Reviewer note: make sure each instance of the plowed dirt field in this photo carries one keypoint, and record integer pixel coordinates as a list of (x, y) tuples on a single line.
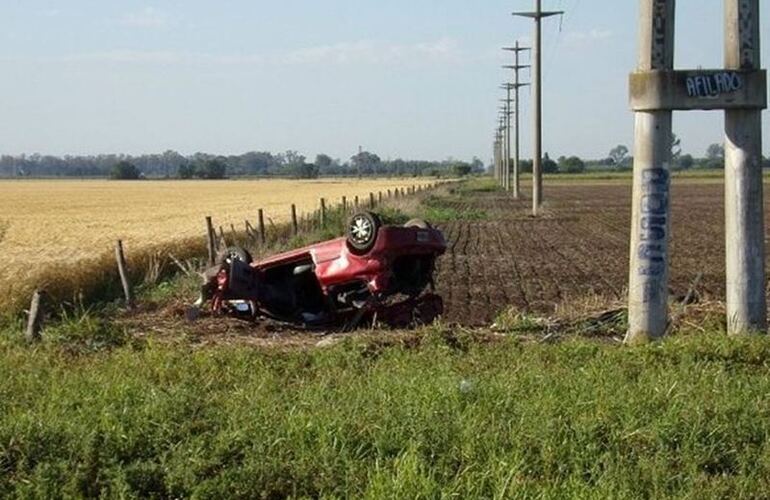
[(577, 250)]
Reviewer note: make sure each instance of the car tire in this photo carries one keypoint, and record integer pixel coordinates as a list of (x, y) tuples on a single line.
[(234, 253), (418, 223), (362, 231)]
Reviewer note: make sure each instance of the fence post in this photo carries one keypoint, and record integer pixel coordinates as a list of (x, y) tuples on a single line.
[(294, 225), (35, 319), (323, 213), (379, 197), (261, 221), (121, 260), (371, 200), (344, 204), (355, 202), (210, 240)]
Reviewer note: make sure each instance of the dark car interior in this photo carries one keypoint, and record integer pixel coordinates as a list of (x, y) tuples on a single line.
[(289, 290)]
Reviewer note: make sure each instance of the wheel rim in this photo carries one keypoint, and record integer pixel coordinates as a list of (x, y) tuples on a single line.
[(361, 229)]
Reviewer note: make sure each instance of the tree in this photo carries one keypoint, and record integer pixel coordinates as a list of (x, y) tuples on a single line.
[(186, 171), (676, 147), (294, 162), (715, 156), (477, 166), (124, 170), (461, 169), (686, 162), (212, 169), (618, 155), (169, 162), (306, 171), (549, 166), (323, 162), (365, 163), (715, 151), (571, 165)]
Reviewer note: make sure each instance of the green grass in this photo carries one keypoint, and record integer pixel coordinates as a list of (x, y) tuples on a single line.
[(446, 417), (444, 209)]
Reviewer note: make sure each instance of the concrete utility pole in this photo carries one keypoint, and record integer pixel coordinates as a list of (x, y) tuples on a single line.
[(744, 223), (516, 67), (537, 80), (656, 89), (648, 278), (501, 142), (497, 154), (506, 109)]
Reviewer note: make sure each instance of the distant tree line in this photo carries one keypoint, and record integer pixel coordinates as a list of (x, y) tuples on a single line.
[(619, 158), (171, 164), (714, 157)]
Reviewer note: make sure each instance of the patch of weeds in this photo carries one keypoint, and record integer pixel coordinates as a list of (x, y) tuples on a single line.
[(441, 209), (184, 285), (475, 186), (608, 323), (298, 241), (12, 328), (84, 331), (446, 214), (392, 216), (517, 322)]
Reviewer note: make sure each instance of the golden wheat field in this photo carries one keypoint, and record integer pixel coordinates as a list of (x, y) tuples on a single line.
[(66, 229)]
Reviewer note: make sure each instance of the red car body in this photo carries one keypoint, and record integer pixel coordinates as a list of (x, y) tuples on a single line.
[(332, 282)]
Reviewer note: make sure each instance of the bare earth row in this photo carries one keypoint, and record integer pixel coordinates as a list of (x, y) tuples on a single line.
[(578, 249)]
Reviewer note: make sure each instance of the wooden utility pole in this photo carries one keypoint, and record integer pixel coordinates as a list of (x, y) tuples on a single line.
[(537, 81)]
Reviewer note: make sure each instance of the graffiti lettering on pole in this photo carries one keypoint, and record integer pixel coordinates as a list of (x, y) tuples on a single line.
[(746, 34), (652, 247), (659, 27), (714, 85)]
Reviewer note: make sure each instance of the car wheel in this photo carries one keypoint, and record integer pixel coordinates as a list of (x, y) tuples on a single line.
[(418, 223), (362, 231), (234, 253)]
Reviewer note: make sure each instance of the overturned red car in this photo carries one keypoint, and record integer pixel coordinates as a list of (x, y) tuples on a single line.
[(376, 272)]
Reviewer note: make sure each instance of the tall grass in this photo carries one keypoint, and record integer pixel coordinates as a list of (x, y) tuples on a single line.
[(444, 417)]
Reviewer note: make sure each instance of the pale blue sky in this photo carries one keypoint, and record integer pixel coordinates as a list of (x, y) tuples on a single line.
[(402, 78)]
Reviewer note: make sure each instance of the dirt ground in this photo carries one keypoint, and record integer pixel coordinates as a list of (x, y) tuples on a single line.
[(577, 251)]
